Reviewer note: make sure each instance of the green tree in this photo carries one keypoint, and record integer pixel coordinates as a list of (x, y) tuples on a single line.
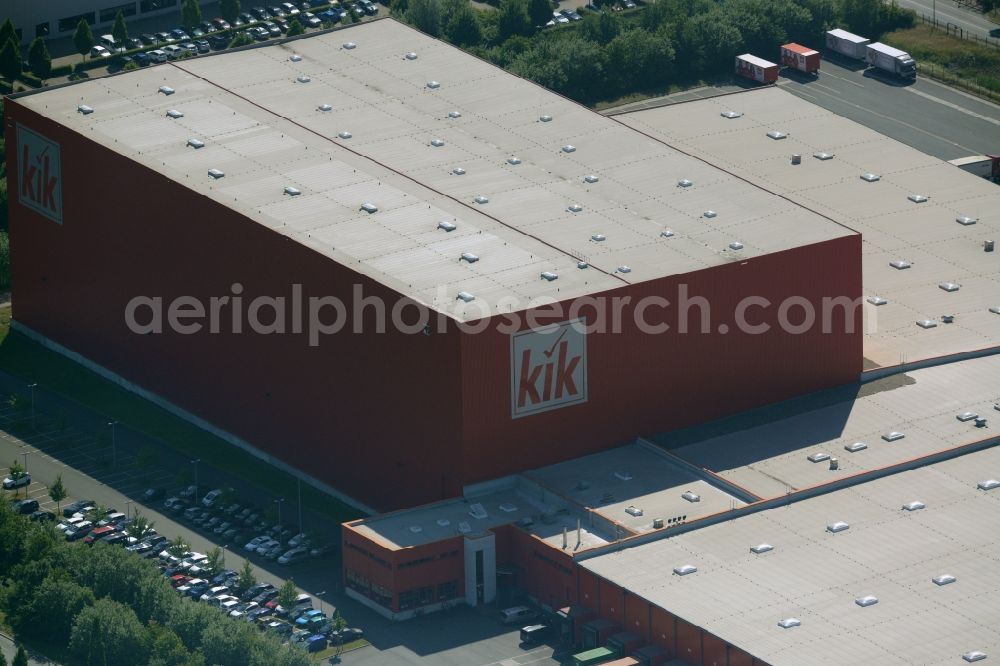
[(339, 623), (39, 59), (398, 8), (59, 600), (167, 649), (287, 594), (16, 470), (190, 14), (178, 547), (7, 32), (57, 492), (463, 27), (20, 657), (140, 527), (425, 15), (540, 12), (247, 578), (216, 561), (241, 39), (83, 38), (513, 19), (119, 30), (97, 512), (3, 659), (108, 632), (295, 27), (10, 60), (230, 9)]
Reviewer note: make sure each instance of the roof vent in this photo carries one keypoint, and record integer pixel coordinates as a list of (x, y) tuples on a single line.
[(464, 527), (447, 226), (915, 505), (685, 569), (416, 529), (481, 199), (967, 416), (84, 109), (633, 511), (871, 177), (624, 269), (597, 238), (775, 134), (477, 511), (174, 113), (876, 300), (989, 484), (466, 297), (666, 233), (731, 114), (823, 156), (443, 522), (458, 171), (690, 496), (975, 655), (411, 56), (568, 148), (574, 208), (949, 286), (789, 622), (684, 182), (345, 135), (866, 601), (710, 214), (582, 264), (893, 436), (507, 507), (657, 523), (900, 264), (545, 119), (736, 245), (820, 456), (761, 548), (292, 191), (166, 90), (838, 526), (196, 143), (549, 275), (216, 173), (349, 45), (590, 178), (966, 221), (622, 475), (796, 159), (454, 114), (369, 207), (295, 57), (303, 78), (437, 143), (513, 160), (943, 579), (948, 318), (917, 198), (469, 257), (324, 107), (995, 310), (927, 323), (855, 447), (433, 85)]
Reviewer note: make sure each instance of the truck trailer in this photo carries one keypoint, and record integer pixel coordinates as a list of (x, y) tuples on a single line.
[(756, 68), (886, 58), (846, 43), (801, 58), (984, 166)]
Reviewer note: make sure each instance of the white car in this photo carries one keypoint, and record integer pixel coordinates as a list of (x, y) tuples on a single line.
[(210, 498), (227, 604), (99, 52), (294, 555), (173, 51), (255, 542), (212, 592), (559, 18), (19, 482), (299, 539)]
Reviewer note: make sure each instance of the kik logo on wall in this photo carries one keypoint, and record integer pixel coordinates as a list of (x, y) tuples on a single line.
[(39, 174), (548, 368)]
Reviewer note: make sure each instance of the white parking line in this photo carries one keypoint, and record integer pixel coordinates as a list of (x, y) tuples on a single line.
[(853, 83), (957, 107)]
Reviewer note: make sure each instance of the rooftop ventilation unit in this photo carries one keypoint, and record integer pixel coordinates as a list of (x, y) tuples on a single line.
[(469, 257), (657, 523), (917, 198), (574, 208), (736, 245), (446, 226), (943, 579), (893, 436), (569, 149), (691, 496), (464, 527), (477, 511), (443, 522), (776, 135), (549, 276), (196, 143), (866, 601), (731, 114), (507, 507), (685, 569), (876, 300), (948, 318), (975, 655), (513, 160), (666, 233), (324, 107), (622, 475), (819, 457), (684, 182), (166, 90), (174, 113), (871, 177), (598, 238), (966, 221), (927, 323), (838, 526), (900, 264), (633, 511), (84, 109), (349, 45), (295, 57), (303, 78), (466, 297), (458, 171), (416, 529), (949, 286), (709, 214), (823, 156), (437, 143), (582, 264), (995, 310), (411, 56), (796, 159), (433, 85), (590, 178), (624, 269), (915, 505), (216, 173), (855, 447), (789, 622), (481, 199), (292, 191), (369, 207), (967, 416), (454, 114), (761, 548), (989, 484), (545, 119), (345, 135)]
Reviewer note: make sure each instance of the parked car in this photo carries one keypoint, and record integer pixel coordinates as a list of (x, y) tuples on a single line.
[(221, 23), (173, 51), (79, 530), (164, 38), (259, 13), (26, 506), (147, 39), (294, 555), (143, 60), (255, 542), (290, 9), (180, 35), (254, 590), (69, 522), (214, 592), (571, 14), (243, 609), (211, 497), (116, 538), (298, 540), (24, 479), (43, 516), (207, 27), (517, 615), (190, 491), (112, 518), (264, 597), (272, 28), (76, 507), (98, 532), (310, 20), (322, 551)]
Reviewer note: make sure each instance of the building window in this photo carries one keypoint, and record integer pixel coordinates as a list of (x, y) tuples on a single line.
[(381, 595), (421, 596), (447, 590), (108, 14), (69, 23), (42, 29), (155, 5)]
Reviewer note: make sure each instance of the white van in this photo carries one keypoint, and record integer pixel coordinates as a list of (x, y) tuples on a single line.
[(108, 42)]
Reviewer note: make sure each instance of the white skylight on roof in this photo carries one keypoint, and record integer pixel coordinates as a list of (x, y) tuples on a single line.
[(893, 436), (411, 56), (345, 135), (549, 276), (324, 107), (195, 143), (775, 134), (446, 226), (876, 300), (481, 199), (870, 177), (303, 78), (685, 569), (590, 178), (819, 456), (944, 579), (295, 57), (989, 484), (917, 198), (838, 526), (789, 622), (866, 601), (900, 264), (166, 90), (965, 220), (684, 182), (174, 113), (350, 45), (855, 447), (731, 114), (915, 505), (465, 296), (84, 109), (761, 548), (433, 85), (927, 323), (568, 148), (513, 160)]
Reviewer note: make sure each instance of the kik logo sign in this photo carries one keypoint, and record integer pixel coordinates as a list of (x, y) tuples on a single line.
[(548, 368), (39, 174)]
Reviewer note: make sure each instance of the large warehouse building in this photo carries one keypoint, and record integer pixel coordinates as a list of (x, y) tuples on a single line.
[(530, 245)]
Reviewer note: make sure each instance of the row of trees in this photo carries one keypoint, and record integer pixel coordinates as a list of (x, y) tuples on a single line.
[(103, 605), (11, 64)]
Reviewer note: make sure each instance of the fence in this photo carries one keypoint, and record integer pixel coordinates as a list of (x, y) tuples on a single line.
[(957, 31)]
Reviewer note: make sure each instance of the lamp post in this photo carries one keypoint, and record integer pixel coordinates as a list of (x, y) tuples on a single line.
[(319, 595), (114, 443), (31, 387), (127, 503), (26, 454), (300, 506), (195, 463), (279, 502)]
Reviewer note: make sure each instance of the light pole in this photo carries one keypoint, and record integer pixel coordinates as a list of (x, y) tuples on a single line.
[(26, 454), (279, 502), (300, 506), (195, 463), (224, 546), (32, 388), (127, 503), (319, 595), (114, 443)]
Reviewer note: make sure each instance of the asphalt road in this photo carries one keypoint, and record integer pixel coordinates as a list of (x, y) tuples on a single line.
[(926, 115), (950, 12)]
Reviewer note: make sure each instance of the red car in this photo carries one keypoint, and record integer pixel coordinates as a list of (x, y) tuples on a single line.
[(179, 579), (99, 533)]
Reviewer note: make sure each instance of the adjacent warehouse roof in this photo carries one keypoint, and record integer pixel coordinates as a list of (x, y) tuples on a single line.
[(873, 184), (425, 134), (820, 577)]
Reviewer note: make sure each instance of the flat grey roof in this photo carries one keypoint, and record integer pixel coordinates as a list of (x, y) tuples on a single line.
[(815, 575), (259, 114), (926, 234)]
